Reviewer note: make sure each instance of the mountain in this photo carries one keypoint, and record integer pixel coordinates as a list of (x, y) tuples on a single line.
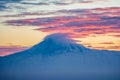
[(58, 55)]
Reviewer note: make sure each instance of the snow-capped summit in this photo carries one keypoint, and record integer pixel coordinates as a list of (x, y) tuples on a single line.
[(57, 43)]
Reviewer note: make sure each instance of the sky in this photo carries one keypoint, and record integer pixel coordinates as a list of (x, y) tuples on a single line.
[(93, 23)]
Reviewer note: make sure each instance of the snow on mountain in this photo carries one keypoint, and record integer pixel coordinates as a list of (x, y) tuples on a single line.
[(57, 54)]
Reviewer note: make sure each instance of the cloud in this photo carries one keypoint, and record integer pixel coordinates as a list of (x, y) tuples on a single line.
[(86, 2), (6, 50), (56, 1), (116, 35), (4, 2), (114, 47), (84, 23), (59, 38), (27, 6), (107, 43)]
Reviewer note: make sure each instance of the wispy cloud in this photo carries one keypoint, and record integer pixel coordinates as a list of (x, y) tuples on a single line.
[(78, 23), (27, 6), (84, 23), (107, 43), (6, 50)]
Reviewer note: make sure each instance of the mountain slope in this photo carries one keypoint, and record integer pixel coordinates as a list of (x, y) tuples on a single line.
[(57, 54)]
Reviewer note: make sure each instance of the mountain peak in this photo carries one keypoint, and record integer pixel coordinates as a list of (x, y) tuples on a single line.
[(57, 42), (59, 38)]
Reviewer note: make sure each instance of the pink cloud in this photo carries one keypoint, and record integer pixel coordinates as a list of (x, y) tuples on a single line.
[(6, 50), (90, 21)]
